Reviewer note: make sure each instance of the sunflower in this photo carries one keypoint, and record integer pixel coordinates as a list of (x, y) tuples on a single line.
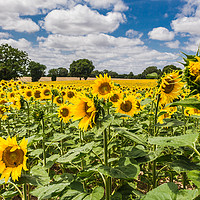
[(70, 95), (16, 103), (103, 86), (46, 93), (85, 110), (37, 94), (58, 100), (170, 87), (28, 93), (116, 96), (12, 158), (127, 105), (65, 113)]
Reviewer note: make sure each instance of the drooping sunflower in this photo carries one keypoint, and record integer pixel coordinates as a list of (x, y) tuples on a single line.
[(65, 112), (127, 105), (12, 158), (170, 87), (103, 86), (85, 110)]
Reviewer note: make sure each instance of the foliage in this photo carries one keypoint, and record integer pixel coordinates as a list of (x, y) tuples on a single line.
[(13, 62), (81, 68), (36, 70), (169, 68)]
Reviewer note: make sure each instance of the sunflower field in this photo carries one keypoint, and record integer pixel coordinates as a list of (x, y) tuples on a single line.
[(102, 139)]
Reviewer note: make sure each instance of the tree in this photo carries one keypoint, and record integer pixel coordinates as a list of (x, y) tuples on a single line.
[(81, 68), (36, 70), (13, 62), (150, 70), (62, 72), (53, 73), (169, 68)]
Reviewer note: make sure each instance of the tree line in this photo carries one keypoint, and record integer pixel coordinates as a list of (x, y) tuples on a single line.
[(15, 63)]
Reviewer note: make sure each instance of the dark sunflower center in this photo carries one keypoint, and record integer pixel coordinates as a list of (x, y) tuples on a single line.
[(29, 93), (63, 93), (12, 159), (126, 106), (12, 95), (59, 100), (104, 88), (170, 86), (114, 98), (86, 110), (46, 92), (37, 94), (64, 112), (70, 94)]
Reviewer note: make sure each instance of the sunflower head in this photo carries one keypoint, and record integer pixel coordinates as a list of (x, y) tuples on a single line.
[(103, 86), (65, 113), (170, 87), (84, 110), (127, 105), (12, 158)]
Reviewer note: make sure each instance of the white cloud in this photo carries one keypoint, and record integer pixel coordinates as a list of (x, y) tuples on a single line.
[(161, 33), (189, 25), (22, 43), (173, 44), (188, 19), (81, 20), (132, 33), (11, 12), (116, 5), (13, 22), (5, 35)]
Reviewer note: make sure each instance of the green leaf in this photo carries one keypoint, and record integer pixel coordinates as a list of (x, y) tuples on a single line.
[(36, 152), (51, 160), (127, 169), (187, 194), (49, 191), (169, 191), (166, 191), (40, 174), (9, 194), (97, 194), (175, 141), (184, 165), (103, 124), (74, 153), (125, 133), (188, 102), (80, 196), (58, 137), (195, 177)]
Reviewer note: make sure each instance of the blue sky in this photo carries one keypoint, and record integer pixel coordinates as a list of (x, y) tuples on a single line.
[(119, 35)]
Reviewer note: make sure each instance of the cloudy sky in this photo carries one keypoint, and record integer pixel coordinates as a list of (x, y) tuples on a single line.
[(119, 35)]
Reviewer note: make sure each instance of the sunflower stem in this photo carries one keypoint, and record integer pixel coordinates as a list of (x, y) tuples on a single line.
[(61, 130), (28, 109), (184, 120), (105, 144), (8, 127), (43, 143), (154, 146), (24, 192)]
